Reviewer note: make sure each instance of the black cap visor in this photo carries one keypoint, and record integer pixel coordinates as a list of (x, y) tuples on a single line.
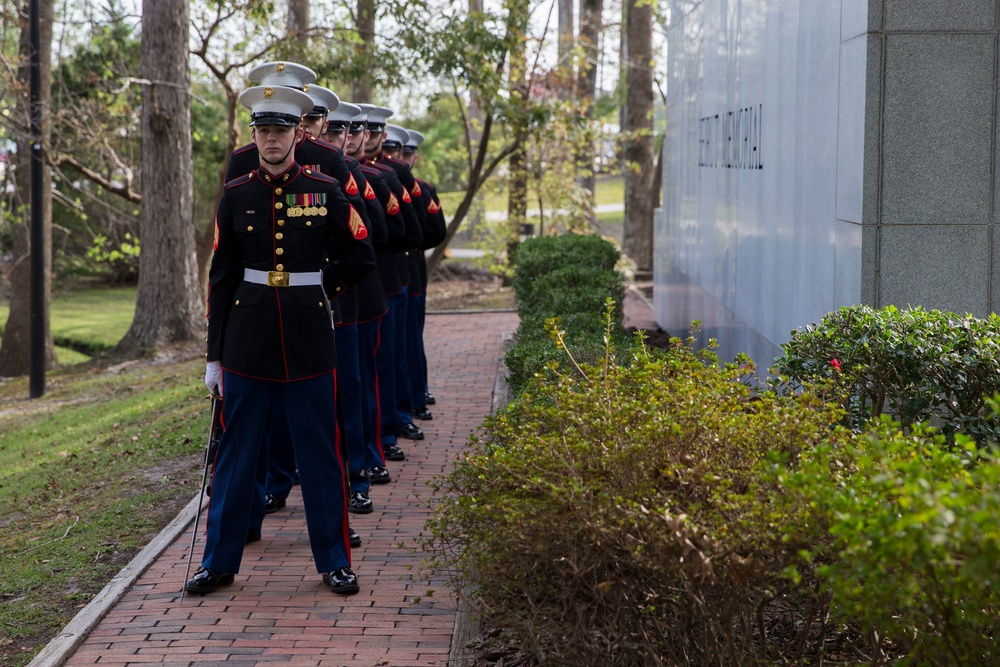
[(317, 111), (273, 118)]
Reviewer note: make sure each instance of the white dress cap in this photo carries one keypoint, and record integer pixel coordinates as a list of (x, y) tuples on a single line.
[(343, 113), (324, 100), (376, 115), (394, 134), (281, 73), (275, 105), (415, 139)]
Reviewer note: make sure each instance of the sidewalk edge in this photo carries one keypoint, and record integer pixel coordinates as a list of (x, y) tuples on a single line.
[(466, 622), (59, 650)]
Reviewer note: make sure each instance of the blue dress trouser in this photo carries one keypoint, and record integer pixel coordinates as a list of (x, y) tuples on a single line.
[(349, 389), (423, 350), (416, 364), (368, 346), (385, 365), (311, 417), (403, 403), (280, 454)]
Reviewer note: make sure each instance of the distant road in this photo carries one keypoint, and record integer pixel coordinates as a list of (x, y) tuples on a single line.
[(499, 216)]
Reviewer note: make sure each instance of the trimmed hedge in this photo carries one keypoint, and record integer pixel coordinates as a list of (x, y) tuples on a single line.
[(914, 365), (571, 278)]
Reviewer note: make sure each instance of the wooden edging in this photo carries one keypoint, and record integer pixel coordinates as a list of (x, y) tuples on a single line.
[(466, 622), (59, 650)]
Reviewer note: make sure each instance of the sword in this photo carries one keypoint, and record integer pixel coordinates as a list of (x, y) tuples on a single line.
[(214, 436)]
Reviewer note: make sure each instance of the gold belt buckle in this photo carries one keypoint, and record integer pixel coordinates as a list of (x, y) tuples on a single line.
[(277, 278)]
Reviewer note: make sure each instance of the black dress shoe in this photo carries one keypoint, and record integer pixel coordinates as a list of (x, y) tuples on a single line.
[(378, 475), (360, 503), (206, 581), (422, 413), (253, 537), (393, 452), (272, 504), (411, 431), (342, 581), (353, 538), (429, 398)]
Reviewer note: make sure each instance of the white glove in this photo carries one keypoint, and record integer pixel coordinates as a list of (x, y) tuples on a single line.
[(213, 377)]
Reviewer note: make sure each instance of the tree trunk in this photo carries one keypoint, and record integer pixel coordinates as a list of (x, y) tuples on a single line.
[(591, 26), (638, 131), (564, 50), (296, 46), (169, 308), (361, 88), (15, 349), (517, 188)]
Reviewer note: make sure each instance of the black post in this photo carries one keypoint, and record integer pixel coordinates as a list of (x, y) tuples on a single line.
[(37, 238)]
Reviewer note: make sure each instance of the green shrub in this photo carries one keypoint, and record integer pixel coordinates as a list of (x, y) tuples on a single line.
[(598, 515), (571, 278), (903, 532), (570, 289), (912, 364), (537, 256), (582, 332)]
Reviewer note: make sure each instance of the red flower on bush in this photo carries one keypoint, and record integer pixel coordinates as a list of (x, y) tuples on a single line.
[(835, 364)]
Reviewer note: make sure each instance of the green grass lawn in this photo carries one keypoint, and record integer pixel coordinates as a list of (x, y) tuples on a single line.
[(86, 320), (90, 471), (607, 190)]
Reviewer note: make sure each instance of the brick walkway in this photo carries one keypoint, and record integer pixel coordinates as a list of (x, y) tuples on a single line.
[(278, 611)]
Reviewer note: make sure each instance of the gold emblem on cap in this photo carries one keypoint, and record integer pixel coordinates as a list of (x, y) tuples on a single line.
[(268, 91), (305, 88), (280, 67)]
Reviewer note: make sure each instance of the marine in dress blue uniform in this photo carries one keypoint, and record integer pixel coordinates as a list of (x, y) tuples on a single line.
[(278, 474), (414, 404), (435, 232), (385, 446), (362, 308), (270, 339), (396, 419)]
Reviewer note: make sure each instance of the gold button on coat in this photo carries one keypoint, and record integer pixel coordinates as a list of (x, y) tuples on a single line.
[(278, 206), (279, 251), (281, 223), (279, 236), (249, 228), (237, 302), (309, 223), (277, 191), (279, 267)]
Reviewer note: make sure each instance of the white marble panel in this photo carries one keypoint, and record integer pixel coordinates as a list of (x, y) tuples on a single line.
[(754, 248), (851, 129), (853, 18)]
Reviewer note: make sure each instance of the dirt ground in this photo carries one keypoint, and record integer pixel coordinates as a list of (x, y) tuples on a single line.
[(459, 286)]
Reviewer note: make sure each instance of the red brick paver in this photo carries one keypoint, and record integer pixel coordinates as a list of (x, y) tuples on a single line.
[(279, 611)]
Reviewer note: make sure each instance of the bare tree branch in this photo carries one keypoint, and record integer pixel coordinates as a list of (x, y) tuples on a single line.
[(123, 191)]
